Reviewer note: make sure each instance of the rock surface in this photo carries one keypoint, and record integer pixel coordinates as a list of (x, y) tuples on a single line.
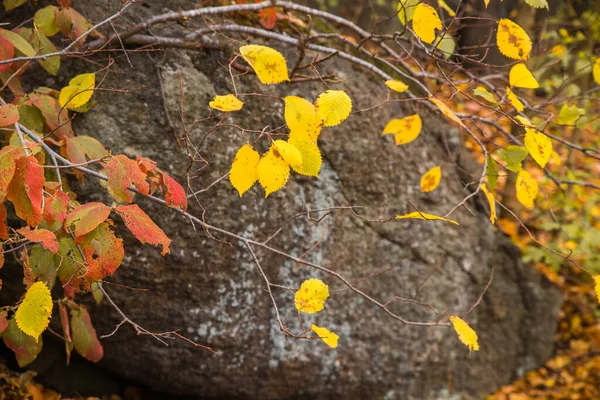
[(213, 292)]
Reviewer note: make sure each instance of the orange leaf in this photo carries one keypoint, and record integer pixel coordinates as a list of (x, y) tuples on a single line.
[(3, 227), (44, 236), (9, 115), (87, 217), (103, 251), (143, 228), (122, 173), (55, 208), (175, 195), (26, 190)]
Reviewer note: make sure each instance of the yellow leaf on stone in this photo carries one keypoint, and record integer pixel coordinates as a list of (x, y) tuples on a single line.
[(597, 286), (311, 296), (446, 111), (301, 116), (425, 216), (269, 64), (405, 130), (431, 179), (491, 201), (334, 106), (527, 189), (538, 145), (311, 156), (406, 9), (465, 333), (273, 172), (288, 152), (78, 92), (520, 76), (596, 71), (330, 338), (244, 169), (425, 21), (226, 103), (512, 41), (33, 314), (514, 100), (396, 86)]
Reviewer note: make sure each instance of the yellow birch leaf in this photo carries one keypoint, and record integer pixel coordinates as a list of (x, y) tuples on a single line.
[(334, 106), (556, 158), (491, 201), (273, 172), (483, 92), (33, 314), (596, 71), (268, 63), (406, 9), (425, 216), (396, 86), (446, 111), (244, 169), (465, 333), (445, 6), (520, 76), (78, 92), (597, 286), (527, 189), (525, 122), (514, 100), (425, 22), (226, 103), (330, 338), (431, 179), (301, 116), (288, 152), (311, 156), (311, 296), (512, 41), (538, 145), (405, 130)]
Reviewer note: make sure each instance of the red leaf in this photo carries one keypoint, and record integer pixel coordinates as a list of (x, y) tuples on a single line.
[(64, 3), (9, 114), (26, 190), (143, 228), (3, 226), (44, 236), (87, 217), (122, 173), (175, 195), (56, 118), (64, 322), (84, 335), (55, 208), (146, 164), (7, 51), (103, 252), (25, 347), (72, 24), (8, 156), (268, 17)]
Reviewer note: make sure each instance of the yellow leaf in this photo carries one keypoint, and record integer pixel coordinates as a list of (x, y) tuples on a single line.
[(524, 121), (311, 296), (301, 116), (465, 333), (425, 22), (514, 100), (527, 189), (330, 338), (491, 201), (268, 63), (244, 170), (396, 86), (431, 179), (445, 6), (425, 216), (78, 92), (334, 106), (405, 130), (311, 156), (226, 103), (512, 41), (273, 171), (288, 152), (33, 314), (406, 9), (446, 111), (520, 76), (597, 286), (487, 2), (596, 71), (538, 145)]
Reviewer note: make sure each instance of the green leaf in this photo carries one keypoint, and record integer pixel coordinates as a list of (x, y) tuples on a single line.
[(24, 346), (12, 4), (44, 20), (491, 172), (569, 114), (42, 265), (17, 41), (84, 335), (483, 92), (538, 3), (513, 156)]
